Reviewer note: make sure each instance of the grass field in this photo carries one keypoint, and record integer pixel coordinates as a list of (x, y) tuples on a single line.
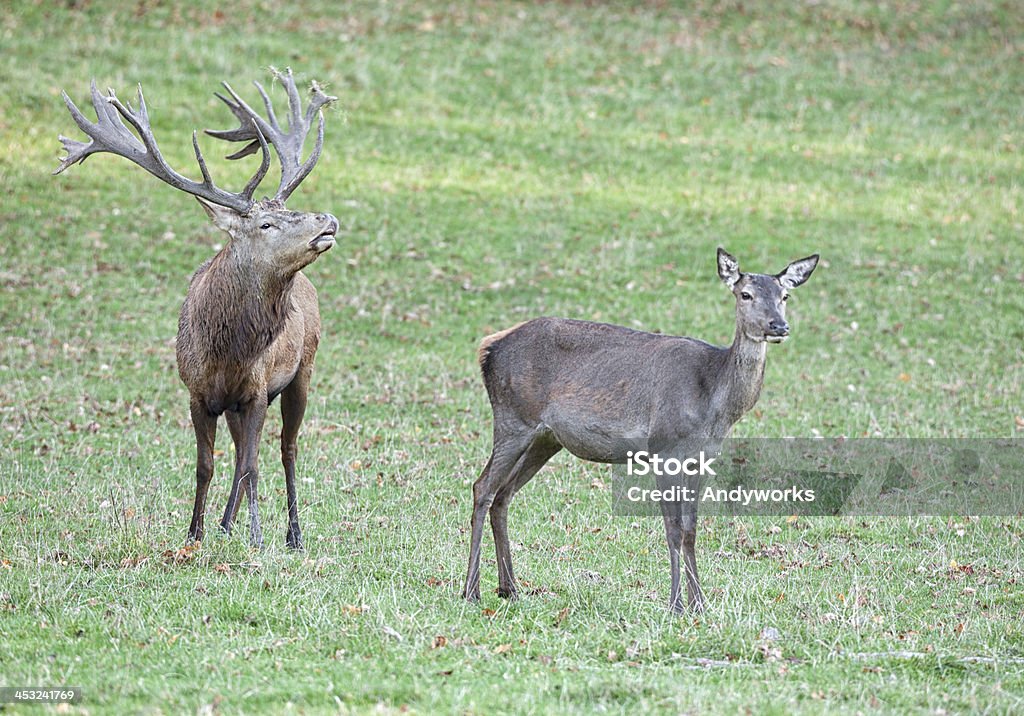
[(491, 162)]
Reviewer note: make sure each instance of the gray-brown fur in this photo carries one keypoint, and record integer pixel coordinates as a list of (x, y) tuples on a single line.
[(248, 332), (250, 325), (600, 390)]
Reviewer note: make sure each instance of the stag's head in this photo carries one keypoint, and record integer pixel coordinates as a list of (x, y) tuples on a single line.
[(265, 229), (760, 298), (290, 240)]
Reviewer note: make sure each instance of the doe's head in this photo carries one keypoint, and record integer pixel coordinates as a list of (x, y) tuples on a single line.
[(761, 298)]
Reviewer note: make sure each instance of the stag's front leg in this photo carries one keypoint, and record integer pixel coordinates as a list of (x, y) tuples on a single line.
[(206, 432)]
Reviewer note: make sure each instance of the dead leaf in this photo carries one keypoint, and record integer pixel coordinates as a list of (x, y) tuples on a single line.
[(488, 612), (223, 568), (439, 642), (502, 649), (182, 555), (561, 617)]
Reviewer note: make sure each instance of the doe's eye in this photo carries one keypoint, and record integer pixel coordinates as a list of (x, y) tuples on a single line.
[(785, 297), (746, 296), (265, 227)]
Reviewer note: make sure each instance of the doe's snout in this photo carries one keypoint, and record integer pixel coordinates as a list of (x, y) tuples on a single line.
[(778, 327)]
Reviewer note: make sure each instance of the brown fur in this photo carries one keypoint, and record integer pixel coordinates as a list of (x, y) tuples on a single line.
[(250, 325), (248, 332)]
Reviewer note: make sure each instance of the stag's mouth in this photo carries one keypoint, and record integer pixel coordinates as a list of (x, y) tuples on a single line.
[(775, 337), (325, 239)]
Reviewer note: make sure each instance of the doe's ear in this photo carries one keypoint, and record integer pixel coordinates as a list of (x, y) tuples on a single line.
[(728, 268), (797, 272), (223, 218)]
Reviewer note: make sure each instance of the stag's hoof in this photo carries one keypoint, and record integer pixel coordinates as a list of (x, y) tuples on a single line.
[(509, 593), (293, 540)]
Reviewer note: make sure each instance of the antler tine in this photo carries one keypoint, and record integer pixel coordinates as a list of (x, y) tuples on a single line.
[(79, 151), (294, 101), (287, 144), (250, 188), (286, 189), (267, 104), (109, 134)]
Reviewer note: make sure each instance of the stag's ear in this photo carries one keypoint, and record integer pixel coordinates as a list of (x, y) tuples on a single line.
[(728, 268), (223, 218), (797, 272)]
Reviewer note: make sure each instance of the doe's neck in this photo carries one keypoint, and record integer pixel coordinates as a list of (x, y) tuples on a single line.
[(744, 368)]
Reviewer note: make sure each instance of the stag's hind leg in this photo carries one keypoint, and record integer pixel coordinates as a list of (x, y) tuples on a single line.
[(247, 451), (234, 500), (537, 454), (206, 432), (293, 408)]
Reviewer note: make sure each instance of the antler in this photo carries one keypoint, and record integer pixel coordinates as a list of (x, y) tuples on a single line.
[(109, 134), (287, 144)]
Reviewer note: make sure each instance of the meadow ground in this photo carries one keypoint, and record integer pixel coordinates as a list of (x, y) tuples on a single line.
[(491, 162)]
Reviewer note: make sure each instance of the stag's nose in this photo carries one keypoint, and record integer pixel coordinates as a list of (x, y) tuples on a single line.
[(778, 327), (330, 219)]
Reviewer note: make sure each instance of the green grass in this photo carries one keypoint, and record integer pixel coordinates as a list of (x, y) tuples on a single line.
[(489, 163)]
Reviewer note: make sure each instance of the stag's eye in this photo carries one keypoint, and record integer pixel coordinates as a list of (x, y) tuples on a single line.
[(746, 296), (785, 297), (265, 227)]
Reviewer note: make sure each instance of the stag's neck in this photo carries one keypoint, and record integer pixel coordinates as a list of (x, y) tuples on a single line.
[(744, 374), (244, 303)]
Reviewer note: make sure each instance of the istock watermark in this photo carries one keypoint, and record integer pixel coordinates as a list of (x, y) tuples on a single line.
[(751, 476), (642, 463), (737, 495)]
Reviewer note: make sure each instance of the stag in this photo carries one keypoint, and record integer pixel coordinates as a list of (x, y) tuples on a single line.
[(599, 390), (249, 327)]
